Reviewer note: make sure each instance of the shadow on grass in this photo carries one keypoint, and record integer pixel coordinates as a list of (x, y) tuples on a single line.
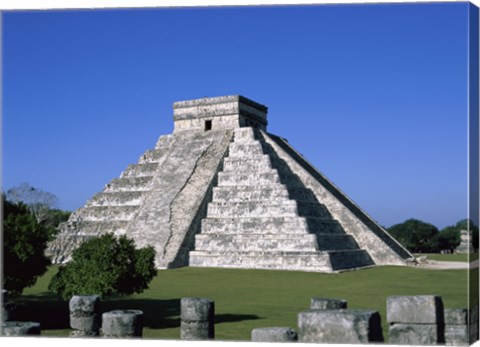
[(157, 314), (53, 313), (50, 311), (228, 318)]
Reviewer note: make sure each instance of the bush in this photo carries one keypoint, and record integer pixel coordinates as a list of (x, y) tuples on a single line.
[(24, 243), (105, 266)]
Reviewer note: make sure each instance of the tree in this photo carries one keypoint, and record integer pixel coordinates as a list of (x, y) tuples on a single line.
[(416, 236), (39, 202), (106, 265), (448, 239), (55, 217), (24, 243)]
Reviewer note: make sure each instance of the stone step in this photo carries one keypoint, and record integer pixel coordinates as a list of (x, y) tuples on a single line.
[(286, 208), (140, 170), (273, 241), (256, 242), (113, 213), (152, 155), (164, 141), (254, 163), (240, 149), (116, 199), (278, 225), (265, 193), (350, 259), (301, 261), (244, 135), (118, 227), (251, 179), (128, 184), (329, 242)]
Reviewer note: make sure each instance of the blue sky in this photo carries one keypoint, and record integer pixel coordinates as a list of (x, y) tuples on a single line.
[(375, 96)]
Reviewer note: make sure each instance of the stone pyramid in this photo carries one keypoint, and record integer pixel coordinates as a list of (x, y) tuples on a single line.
[(222, 192)]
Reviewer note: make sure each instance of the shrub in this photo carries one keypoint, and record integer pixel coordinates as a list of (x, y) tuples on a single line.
[(106, 265)]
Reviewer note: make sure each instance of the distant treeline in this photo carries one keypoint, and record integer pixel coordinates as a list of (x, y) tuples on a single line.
[(421, 237)]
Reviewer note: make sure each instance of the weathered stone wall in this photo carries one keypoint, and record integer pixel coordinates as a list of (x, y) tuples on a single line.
[(171, 211), (159, 201), (218, 123), (225, 112), (383, 248), (416, 320)]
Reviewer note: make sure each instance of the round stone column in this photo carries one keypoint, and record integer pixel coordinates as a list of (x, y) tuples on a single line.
[(84, 315), (197, 319)]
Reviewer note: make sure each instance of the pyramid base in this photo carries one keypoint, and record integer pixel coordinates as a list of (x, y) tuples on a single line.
[(329, 261)]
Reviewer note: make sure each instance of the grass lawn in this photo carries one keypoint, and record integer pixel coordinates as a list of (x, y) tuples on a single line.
[(248, 299), (450, 257)]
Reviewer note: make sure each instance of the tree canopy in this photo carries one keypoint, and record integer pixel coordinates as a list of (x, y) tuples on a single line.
[(415, 235), (448, 239), (105, 265), (24, 243), (38, 201)]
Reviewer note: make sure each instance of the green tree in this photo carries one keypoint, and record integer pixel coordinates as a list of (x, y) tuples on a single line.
[(53, 220), (106, 265), (416, 235), (24, 243), (448, 239)]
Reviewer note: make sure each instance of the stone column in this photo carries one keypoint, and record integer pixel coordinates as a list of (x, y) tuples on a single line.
[(13, 328), (339, 326), (122, 323), (197, 319), (327, 304), (84, 315), (415, 320), (456, 326), (274, 334)]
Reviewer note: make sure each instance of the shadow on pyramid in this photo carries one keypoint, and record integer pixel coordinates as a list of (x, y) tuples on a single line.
[(222, 192)]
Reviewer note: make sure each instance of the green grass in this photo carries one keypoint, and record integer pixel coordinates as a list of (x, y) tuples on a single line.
[(248, 299), (450, 257)]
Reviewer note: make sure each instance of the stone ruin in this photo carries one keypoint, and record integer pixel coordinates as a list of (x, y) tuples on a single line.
[(465, 245), (412, 320), (220, 191)]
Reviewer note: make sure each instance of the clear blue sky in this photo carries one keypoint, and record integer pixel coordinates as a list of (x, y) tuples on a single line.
[(375, 96)]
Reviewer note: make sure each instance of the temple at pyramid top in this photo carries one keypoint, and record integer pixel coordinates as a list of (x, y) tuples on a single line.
[(221, 191), (219, 113)]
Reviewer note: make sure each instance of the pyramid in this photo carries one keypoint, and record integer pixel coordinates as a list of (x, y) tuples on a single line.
[(220, 191)]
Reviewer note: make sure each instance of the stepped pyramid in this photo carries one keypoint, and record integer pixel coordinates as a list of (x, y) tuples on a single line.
[(222, 192)]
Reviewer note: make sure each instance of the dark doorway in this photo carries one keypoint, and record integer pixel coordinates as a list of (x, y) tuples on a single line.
[(208, 125)]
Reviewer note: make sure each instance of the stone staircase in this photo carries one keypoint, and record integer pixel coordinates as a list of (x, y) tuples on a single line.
[(261, 216)]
